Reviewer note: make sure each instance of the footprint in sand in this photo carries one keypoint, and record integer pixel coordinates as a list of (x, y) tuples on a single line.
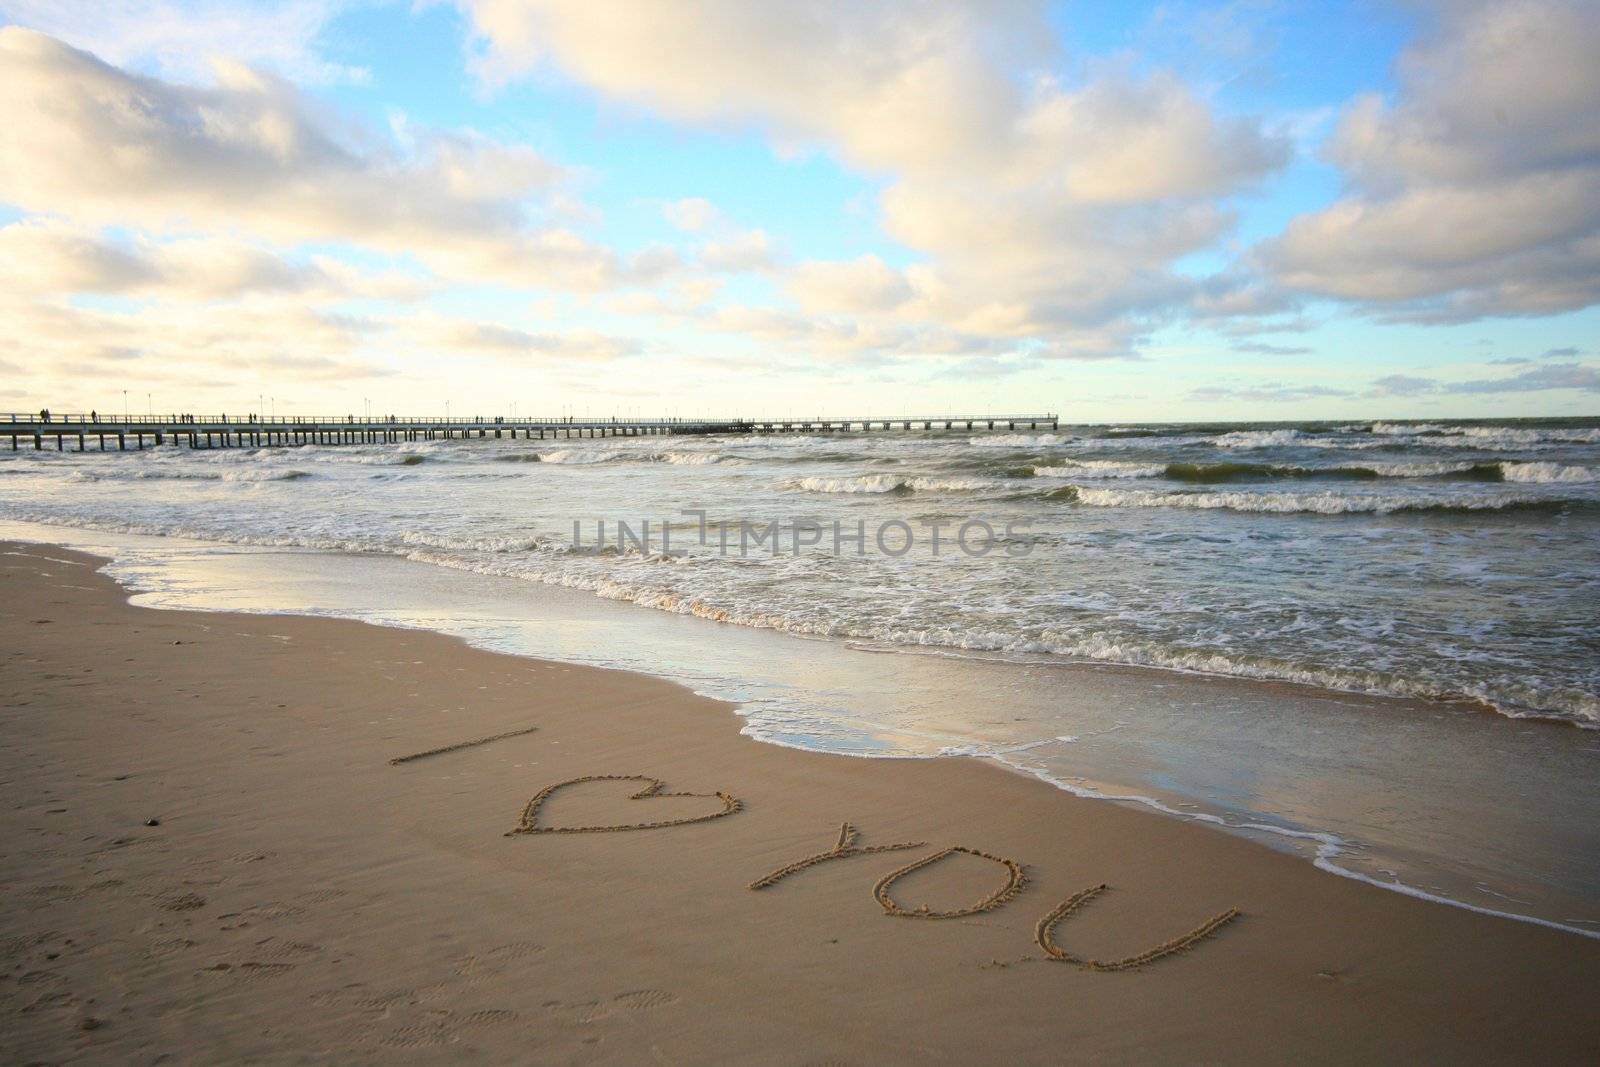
[(321, 896), (45, 895), (272, 910), (168, 947), (487, 1017), (645, 999), (181, 902), (495, 961), (50, 1002), (275, 949), (414, 1037), (250, 970), (444, 1027), (632, 1002)]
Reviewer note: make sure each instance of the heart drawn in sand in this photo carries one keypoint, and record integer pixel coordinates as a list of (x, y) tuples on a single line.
[(653, 789)]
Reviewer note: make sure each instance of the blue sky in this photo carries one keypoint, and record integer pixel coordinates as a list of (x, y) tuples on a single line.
[(1115, 211)]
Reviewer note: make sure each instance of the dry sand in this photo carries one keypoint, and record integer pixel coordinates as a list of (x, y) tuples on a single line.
[(301, 896)]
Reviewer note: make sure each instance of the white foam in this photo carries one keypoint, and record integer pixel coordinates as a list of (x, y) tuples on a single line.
[(867, 483), (950, 485), (1018, 440), (1100, 468), (1328, 503), (1417, 470), (1546, 472), (139, 474), (579, 455), (1399, 429), (1259, 438)]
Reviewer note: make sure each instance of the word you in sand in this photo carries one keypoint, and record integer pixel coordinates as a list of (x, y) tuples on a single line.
[(846, 846)]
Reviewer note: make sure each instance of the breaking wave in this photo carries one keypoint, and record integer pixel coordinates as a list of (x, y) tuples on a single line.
[(889, 483), (163, 474), (1309, 503)]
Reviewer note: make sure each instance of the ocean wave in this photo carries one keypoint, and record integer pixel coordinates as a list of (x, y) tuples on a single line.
[(584, 456), (495, 544), (334, 454), (1404, 429), (1490, 437), (867, 483), (1211, 473), (1547, 472), (1308, 503), (891, 483), (1018, 440), (141, 474), (579, 456), (1101, 468), (1215, 473), (1258, 438), (1514, 699), (1443, 468), (692, 459), (1555, 435)]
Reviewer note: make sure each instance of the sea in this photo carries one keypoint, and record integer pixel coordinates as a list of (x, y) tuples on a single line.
[(1373, 643)]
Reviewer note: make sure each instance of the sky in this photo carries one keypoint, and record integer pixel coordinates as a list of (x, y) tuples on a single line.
[(1110, 211)]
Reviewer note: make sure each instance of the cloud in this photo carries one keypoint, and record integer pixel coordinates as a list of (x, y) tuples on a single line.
[(1476, 191), (181, 38), (1262, 349), (99, 145), (694, 213), (52, 258), (1560, 353), (503, 341), (1556, 376), (1041, 208), (752, 250), (1269, 393), (845, 339), (866, 284), (259, 339), (1402, 385)]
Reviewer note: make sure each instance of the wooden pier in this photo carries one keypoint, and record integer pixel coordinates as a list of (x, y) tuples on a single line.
[(108, 432)]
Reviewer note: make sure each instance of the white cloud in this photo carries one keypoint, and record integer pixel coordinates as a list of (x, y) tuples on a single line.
[(181, 38), (749, 251), (1042, 208), (692, 214), (456, 336), (52, 258), (867, 284), (96, 144), (187, 344), (887, 83), (1477, 190)]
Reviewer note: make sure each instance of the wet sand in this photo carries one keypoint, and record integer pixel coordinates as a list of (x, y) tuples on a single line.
[(214, 848)]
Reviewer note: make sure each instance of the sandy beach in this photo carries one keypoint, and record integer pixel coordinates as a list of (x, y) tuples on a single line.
[(274, 839)]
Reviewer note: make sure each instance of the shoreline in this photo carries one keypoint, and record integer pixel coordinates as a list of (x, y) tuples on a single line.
[(637, 927), (1410, 692), (1314, 843)]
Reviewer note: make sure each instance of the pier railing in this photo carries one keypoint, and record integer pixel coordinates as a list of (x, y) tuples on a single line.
[(223, 431), (251, 419)]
